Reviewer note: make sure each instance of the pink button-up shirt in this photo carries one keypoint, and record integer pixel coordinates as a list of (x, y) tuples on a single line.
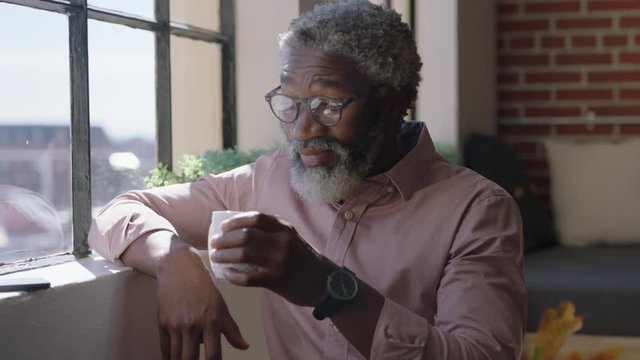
[(442, 244)]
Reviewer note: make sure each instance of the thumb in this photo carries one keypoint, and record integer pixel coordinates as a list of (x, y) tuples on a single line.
[(232, 332)]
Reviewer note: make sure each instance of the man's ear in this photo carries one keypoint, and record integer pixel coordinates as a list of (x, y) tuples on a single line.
[(394, 102)]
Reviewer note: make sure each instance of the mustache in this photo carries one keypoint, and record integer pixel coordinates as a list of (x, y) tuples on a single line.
[(317, 143)]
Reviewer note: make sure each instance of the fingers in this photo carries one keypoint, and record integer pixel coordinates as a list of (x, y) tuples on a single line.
[(212, 346), (254, 220), (246, 255), (165, 343), (258, 277), (176, 345), (232, 332), (190, 346), (237, 237)]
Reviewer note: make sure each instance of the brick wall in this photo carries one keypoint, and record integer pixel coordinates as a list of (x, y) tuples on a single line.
[(561, 64)]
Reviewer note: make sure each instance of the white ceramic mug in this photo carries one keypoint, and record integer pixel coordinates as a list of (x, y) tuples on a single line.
[(217, 269)]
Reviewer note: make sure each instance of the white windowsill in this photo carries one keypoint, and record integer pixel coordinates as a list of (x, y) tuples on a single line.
[(68, 273), (99, 310)]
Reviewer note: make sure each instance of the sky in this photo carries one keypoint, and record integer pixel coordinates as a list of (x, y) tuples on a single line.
[(34, 70)]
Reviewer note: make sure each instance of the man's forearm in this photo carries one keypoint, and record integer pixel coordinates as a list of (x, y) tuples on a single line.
[(149, 253)]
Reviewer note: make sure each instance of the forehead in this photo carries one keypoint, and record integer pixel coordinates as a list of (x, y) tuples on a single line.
[(310, 67)]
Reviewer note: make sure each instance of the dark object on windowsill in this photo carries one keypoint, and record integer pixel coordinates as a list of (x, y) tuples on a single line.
[(23, 284)]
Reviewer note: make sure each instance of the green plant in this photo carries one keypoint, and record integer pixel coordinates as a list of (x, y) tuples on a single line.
[(449, 152), (218, 161), (194, 166)]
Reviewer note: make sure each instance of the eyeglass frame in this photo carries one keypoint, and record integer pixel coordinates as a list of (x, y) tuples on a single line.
[(342, 103)]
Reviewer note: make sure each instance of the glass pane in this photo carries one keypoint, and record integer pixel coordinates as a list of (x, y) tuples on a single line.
[(122, 107), (136, 7), (35, 157), (196, 90), (200, 13)]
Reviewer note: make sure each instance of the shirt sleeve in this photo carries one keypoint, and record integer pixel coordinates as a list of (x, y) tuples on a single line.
[(481, 304), (182, 209)]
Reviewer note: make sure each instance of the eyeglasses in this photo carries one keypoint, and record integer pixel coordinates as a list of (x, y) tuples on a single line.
[(325, 110)]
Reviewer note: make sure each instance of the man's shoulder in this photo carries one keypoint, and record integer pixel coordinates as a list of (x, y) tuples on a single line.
[(462, 182)]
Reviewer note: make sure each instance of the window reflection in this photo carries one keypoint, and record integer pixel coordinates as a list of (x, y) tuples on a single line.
[(35, 198)]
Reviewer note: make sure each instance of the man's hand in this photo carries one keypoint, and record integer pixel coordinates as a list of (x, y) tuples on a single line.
[(191, 310), (285, 263)]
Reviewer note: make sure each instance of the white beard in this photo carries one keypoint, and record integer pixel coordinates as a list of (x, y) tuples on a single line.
[(332, 183)]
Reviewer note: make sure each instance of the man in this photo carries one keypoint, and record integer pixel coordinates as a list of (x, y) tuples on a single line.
[(370, 245)]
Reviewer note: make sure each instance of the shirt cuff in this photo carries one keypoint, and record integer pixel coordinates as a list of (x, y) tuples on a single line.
[(399, 334)]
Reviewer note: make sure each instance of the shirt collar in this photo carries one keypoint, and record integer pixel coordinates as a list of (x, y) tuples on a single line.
[(409, 173)]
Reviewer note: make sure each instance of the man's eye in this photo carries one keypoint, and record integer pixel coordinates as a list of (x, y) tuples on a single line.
[(332, 108)]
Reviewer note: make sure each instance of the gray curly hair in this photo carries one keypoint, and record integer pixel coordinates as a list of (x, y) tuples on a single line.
[(376, 39)]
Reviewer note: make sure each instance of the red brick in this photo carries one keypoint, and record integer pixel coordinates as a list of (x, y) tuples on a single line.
[(553, 77), (501, 43), (612, 5), (630, 129), (522, 25), (525, 147), (583, 41), (630, 58), (614, 76), (552, 42), (614, 40), (524, 95), (508, 9), (553, 111), (629, 94), (583, 59), (602, 23), (584, 94), (523, 60), (584, 130), (508, 112), (630, 22), (552, 7), (616, 110), (522, 43), (508, 78), (524, 129)]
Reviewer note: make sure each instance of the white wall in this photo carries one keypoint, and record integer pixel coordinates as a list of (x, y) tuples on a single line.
[(197, 96), (196, 90), (476, 68), (456, 40), (258, 67), (436, 35)]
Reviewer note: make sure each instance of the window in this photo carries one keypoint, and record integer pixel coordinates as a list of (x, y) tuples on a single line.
[(87, 96)]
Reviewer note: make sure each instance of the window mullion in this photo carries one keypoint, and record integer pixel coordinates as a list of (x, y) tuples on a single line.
[(227, 26), (80, 127), (163, 84)]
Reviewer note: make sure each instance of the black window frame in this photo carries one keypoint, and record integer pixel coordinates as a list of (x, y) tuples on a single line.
[(79, 12)]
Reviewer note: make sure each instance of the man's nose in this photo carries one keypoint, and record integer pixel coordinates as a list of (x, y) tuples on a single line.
[(306, 127)]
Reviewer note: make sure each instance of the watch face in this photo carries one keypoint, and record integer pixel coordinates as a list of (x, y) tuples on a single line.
[(343, 285)]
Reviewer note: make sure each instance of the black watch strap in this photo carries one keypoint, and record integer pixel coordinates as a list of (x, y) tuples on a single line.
[(331, 304)]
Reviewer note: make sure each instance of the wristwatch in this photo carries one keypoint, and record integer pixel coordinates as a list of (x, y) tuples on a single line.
[(342, 287)]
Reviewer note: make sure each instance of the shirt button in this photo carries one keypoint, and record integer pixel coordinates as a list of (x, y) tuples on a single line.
[(348, 215), (390, 189)]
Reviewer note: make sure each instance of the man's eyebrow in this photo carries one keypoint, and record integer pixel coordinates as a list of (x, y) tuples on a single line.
[(286, 79), (328, 81)]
